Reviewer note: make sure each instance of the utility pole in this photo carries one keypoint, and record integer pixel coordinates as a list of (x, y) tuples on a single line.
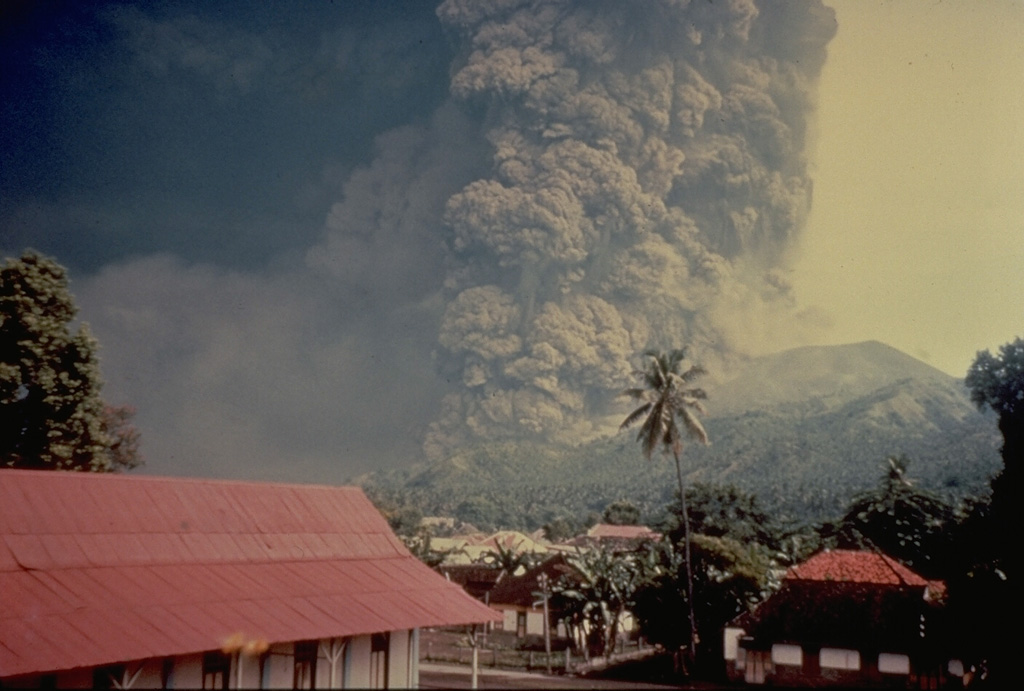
[(545, 593), (476, 657)]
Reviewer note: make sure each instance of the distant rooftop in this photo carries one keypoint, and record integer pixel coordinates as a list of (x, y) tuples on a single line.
[(622, 532)]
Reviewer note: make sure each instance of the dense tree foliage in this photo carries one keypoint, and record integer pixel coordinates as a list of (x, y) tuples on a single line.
[(51, 412), (729, 577), (997, 382), (621, 512), (595, 599), (724, 511), (912, 525), (512, 560), (989, 578)]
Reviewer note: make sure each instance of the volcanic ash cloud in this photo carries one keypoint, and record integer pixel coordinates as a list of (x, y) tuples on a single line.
[(648, 181)]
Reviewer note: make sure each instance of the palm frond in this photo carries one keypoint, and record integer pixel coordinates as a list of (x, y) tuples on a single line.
[(632, 418), (692, 373), (693, 426), (667, 400), (636, 394)]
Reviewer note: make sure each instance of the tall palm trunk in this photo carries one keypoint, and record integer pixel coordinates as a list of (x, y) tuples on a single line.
[(686, 558)]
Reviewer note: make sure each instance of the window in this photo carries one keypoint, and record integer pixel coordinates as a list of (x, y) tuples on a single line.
[(380, 644), (108, 677), (167, 673), (787, 654), (304, 676), (216, 670), (520, 624), (889, 663), (839, 658)]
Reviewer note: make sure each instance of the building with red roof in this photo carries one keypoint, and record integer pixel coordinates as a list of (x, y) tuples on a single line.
[(849, 618), (148, 582), (611, 536)]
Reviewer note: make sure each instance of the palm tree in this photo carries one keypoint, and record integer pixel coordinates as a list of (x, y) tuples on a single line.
[(668, 403)]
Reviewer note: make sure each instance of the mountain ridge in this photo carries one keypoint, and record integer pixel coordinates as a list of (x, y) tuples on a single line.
[(803, 429)]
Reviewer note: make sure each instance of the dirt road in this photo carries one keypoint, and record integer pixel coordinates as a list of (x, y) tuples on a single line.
[(440, 676)]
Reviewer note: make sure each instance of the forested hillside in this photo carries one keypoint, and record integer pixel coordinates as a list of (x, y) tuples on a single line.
[(803, 430)]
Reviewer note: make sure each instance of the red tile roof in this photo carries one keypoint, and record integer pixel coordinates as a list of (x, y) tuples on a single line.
[(854, 566), (96, 569)]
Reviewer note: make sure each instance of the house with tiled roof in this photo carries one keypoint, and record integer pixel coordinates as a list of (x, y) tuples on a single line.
[(846, 618), (146, 582), (516, 598), (478, 580)]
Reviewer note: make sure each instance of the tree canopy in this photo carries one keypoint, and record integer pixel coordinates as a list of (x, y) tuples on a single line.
[(51, 413), (990, 577), (997, 382), (913, 525), (621, 512)]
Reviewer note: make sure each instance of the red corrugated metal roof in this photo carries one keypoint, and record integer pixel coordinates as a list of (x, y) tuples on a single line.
[(97, 569), (855, 566)]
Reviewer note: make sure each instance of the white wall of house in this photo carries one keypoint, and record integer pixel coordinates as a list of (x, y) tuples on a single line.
[(839, 658), (731, 642), (535, 623), (352, 670), (787, 654), (278, 667), (398, 660), (893, 663), (357, 663)]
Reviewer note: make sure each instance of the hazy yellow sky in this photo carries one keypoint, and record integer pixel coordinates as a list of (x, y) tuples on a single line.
[(916, 237)]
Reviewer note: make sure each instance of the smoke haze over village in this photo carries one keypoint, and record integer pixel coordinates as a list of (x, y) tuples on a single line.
[(318, 240)]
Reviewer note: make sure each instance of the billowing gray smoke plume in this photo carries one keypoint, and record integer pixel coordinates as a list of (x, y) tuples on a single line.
[(649, 181)]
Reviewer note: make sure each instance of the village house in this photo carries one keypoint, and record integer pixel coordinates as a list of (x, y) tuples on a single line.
[(622, 538), (145, 582), (478, 580), (522, 609), (848, 618)]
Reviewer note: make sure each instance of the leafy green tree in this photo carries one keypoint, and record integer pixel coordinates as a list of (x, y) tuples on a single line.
[(724, 511), (481, 511), (598, 592), (997, 382), (989, 579), (729, 578), (421, 547), (668, 406), (509, 559), (622, 512), (51, 412), (405, 520), (560, 529), (907, 523)]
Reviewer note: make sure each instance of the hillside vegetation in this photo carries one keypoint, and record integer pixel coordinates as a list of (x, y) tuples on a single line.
[(804, 430)]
